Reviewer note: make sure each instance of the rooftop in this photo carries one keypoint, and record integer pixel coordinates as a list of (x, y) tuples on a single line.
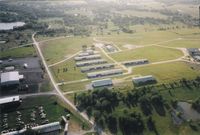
[(9, 99), (10, 76)]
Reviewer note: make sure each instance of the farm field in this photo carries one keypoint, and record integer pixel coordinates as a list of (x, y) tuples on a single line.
[(152, 53)]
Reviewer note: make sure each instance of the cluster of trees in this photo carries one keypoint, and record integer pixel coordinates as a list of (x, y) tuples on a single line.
[(196, 104), (101, 104), (122, 21)]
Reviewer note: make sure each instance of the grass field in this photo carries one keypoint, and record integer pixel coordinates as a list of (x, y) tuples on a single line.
[(18, 52), (168, 72), (142, 38), (72, 73), (152, 53), (184, 43), (57, 50)]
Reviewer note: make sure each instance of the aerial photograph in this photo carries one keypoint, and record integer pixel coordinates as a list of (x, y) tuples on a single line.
[(99, 67)]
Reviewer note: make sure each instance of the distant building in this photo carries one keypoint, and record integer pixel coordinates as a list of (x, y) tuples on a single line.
[(197, 58), (144, 80), (110, 48), (193, 51), (10, 78), (101, 83), (9, 68)]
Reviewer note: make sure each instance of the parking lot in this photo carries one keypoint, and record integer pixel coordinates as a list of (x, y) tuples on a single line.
[(32, 71)]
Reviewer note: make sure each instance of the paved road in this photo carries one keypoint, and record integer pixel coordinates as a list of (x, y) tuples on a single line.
[(57, 89)]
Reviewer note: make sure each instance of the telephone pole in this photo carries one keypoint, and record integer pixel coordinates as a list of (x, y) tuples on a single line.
[(199, 17)]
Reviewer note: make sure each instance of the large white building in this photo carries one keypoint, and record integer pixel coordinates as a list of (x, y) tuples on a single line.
[(10, 78), (101, 83)]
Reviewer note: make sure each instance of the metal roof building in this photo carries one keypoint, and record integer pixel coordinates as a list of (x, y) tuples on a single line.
[(135, 62), (10, 78), (90, 57), (101, 83), (105, 73), (98, 67), (7, 100), (143, 79), (91, 62)]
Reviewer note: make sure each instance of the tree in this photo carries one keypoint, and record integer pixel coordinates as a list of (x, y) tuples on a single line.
[(112, 124)]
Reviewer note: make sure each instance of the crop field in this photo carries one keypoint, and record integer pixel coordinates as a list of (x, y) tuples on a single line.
[(152, 53)]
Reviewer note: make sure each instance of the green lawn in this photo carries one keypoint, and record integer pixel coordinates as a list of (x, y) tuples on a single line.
[(18, 52), (72, 73), (59, 49), (142, 38), (152, 53), (168, 72)]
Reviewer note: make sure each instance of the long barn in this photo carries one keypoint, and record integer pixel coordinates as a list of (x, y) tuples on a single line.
[(105, 73)]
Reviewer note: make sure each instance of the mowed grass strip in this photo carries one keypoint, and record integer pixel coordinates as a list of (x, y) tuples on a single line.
[(18, 52), (152, 53), (168, 72), (60, 49)]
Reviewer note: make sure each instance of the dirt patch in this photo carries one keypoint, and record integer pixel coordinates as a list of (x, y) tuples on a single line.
[(129, 46)]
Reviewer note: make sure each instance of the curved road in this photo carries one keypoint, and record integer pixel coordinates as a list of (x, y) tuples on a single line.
[(57, 89)]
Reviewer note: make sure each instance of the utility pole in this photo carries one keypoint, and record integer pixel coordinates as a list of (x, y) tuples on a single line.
[(199, 17)]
